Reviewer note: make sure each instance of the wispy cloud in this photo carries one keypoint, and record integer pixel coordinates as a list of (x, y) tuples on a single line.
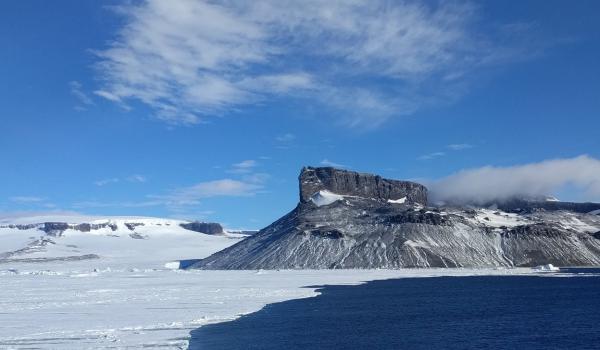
[(117, 204), (27, 199), (189, 60), (131, 178), (459, 146), (192, 195), (136, 178), (8, 216), (105, 182), (452, 147), (243, 167), (285, 141), (327, 162), (83, 100), (32, 201), (497, 183), (286, 138), (432, 155)]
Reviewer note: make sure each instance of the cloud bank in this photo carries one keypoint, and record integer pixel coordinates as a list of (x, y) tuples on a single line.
[(371, 60), (536, 179)]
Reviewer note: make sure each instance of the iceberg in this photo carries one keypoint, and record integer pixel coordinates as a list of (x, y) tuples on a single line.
[(546, 268)]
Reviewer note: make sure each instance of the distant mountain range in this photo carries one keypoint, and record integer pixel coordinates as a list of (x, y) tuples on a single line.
[(346, 219)]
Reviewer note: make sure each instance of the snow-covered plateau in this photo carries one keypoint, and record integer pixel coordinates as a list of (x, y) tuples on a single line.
[(119, 295)]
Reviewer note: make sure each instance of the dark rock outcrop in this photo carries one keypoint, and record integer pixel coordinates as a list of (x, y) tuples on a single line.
[(132, 225), (351, 183), (55, 228), (58, 228), (210, 228), (85, 227)]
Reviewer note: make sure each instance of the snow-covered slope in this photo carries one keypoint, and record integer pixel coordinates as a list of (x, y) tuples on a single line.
[(105, 241)]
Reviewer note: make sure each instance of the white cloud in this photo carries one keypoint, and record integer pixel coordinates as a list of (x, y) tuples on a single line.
[(496, 183), (327, 162), (187, 198), (459, 146), (371, 60), (136, 178), (105, 182), (27, 199), (452, 147), (218, 188), (117, 204), (82, 98), (243, 167), (132, 178), (433, 155), (10, 216), (285, 141), (108, 95), (286, 138), (193, 215)]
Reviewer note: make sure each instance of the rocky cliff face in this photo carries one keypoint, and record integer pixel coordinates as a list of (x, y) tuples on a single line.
[(364, 224), (210, 228), (350, 183), (56, 229)]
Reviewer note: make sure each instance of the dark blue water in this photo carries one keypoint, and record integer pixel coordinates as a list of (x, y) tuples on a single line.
[(491, 312)]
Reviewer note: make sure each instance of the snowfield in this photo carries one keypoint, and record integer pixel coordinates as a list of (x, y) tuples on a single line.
[(122, 293), (123, 242)]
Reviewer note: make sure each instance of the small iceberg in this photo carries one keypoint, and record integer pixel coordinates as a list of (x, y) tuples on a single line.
[(546, 268), (173, 265)]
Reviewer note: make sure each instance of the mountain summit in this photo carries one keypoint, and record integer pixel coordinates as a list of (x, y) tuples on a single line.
[(353, 220)]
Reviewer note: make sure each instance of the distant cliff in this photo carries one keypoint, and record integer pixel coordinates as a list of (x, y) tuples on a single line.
[(210, 228), (58, 228), (351, 183), (352, 220)]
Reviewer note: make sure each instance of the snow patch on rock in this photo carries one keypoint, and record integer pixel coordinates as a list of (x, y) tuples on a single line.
[(325, 197), (497, 218), (397, 201)]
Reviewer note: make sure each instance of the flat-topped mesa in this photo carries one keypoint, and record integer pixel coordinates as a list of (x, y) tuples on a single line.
[(210, 228), (344, 182)]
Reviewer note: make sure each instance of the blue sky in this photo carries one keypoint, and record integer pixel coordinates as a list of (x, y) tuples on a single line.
[(209, 110)]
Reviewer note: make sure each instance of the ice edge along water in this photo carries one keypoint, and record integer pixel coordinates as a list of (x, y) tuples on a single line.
[(136, 309)]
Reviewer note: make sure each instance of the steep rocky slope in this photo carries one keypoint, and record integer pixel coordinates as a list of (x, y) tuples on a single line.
[(351, 220)]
